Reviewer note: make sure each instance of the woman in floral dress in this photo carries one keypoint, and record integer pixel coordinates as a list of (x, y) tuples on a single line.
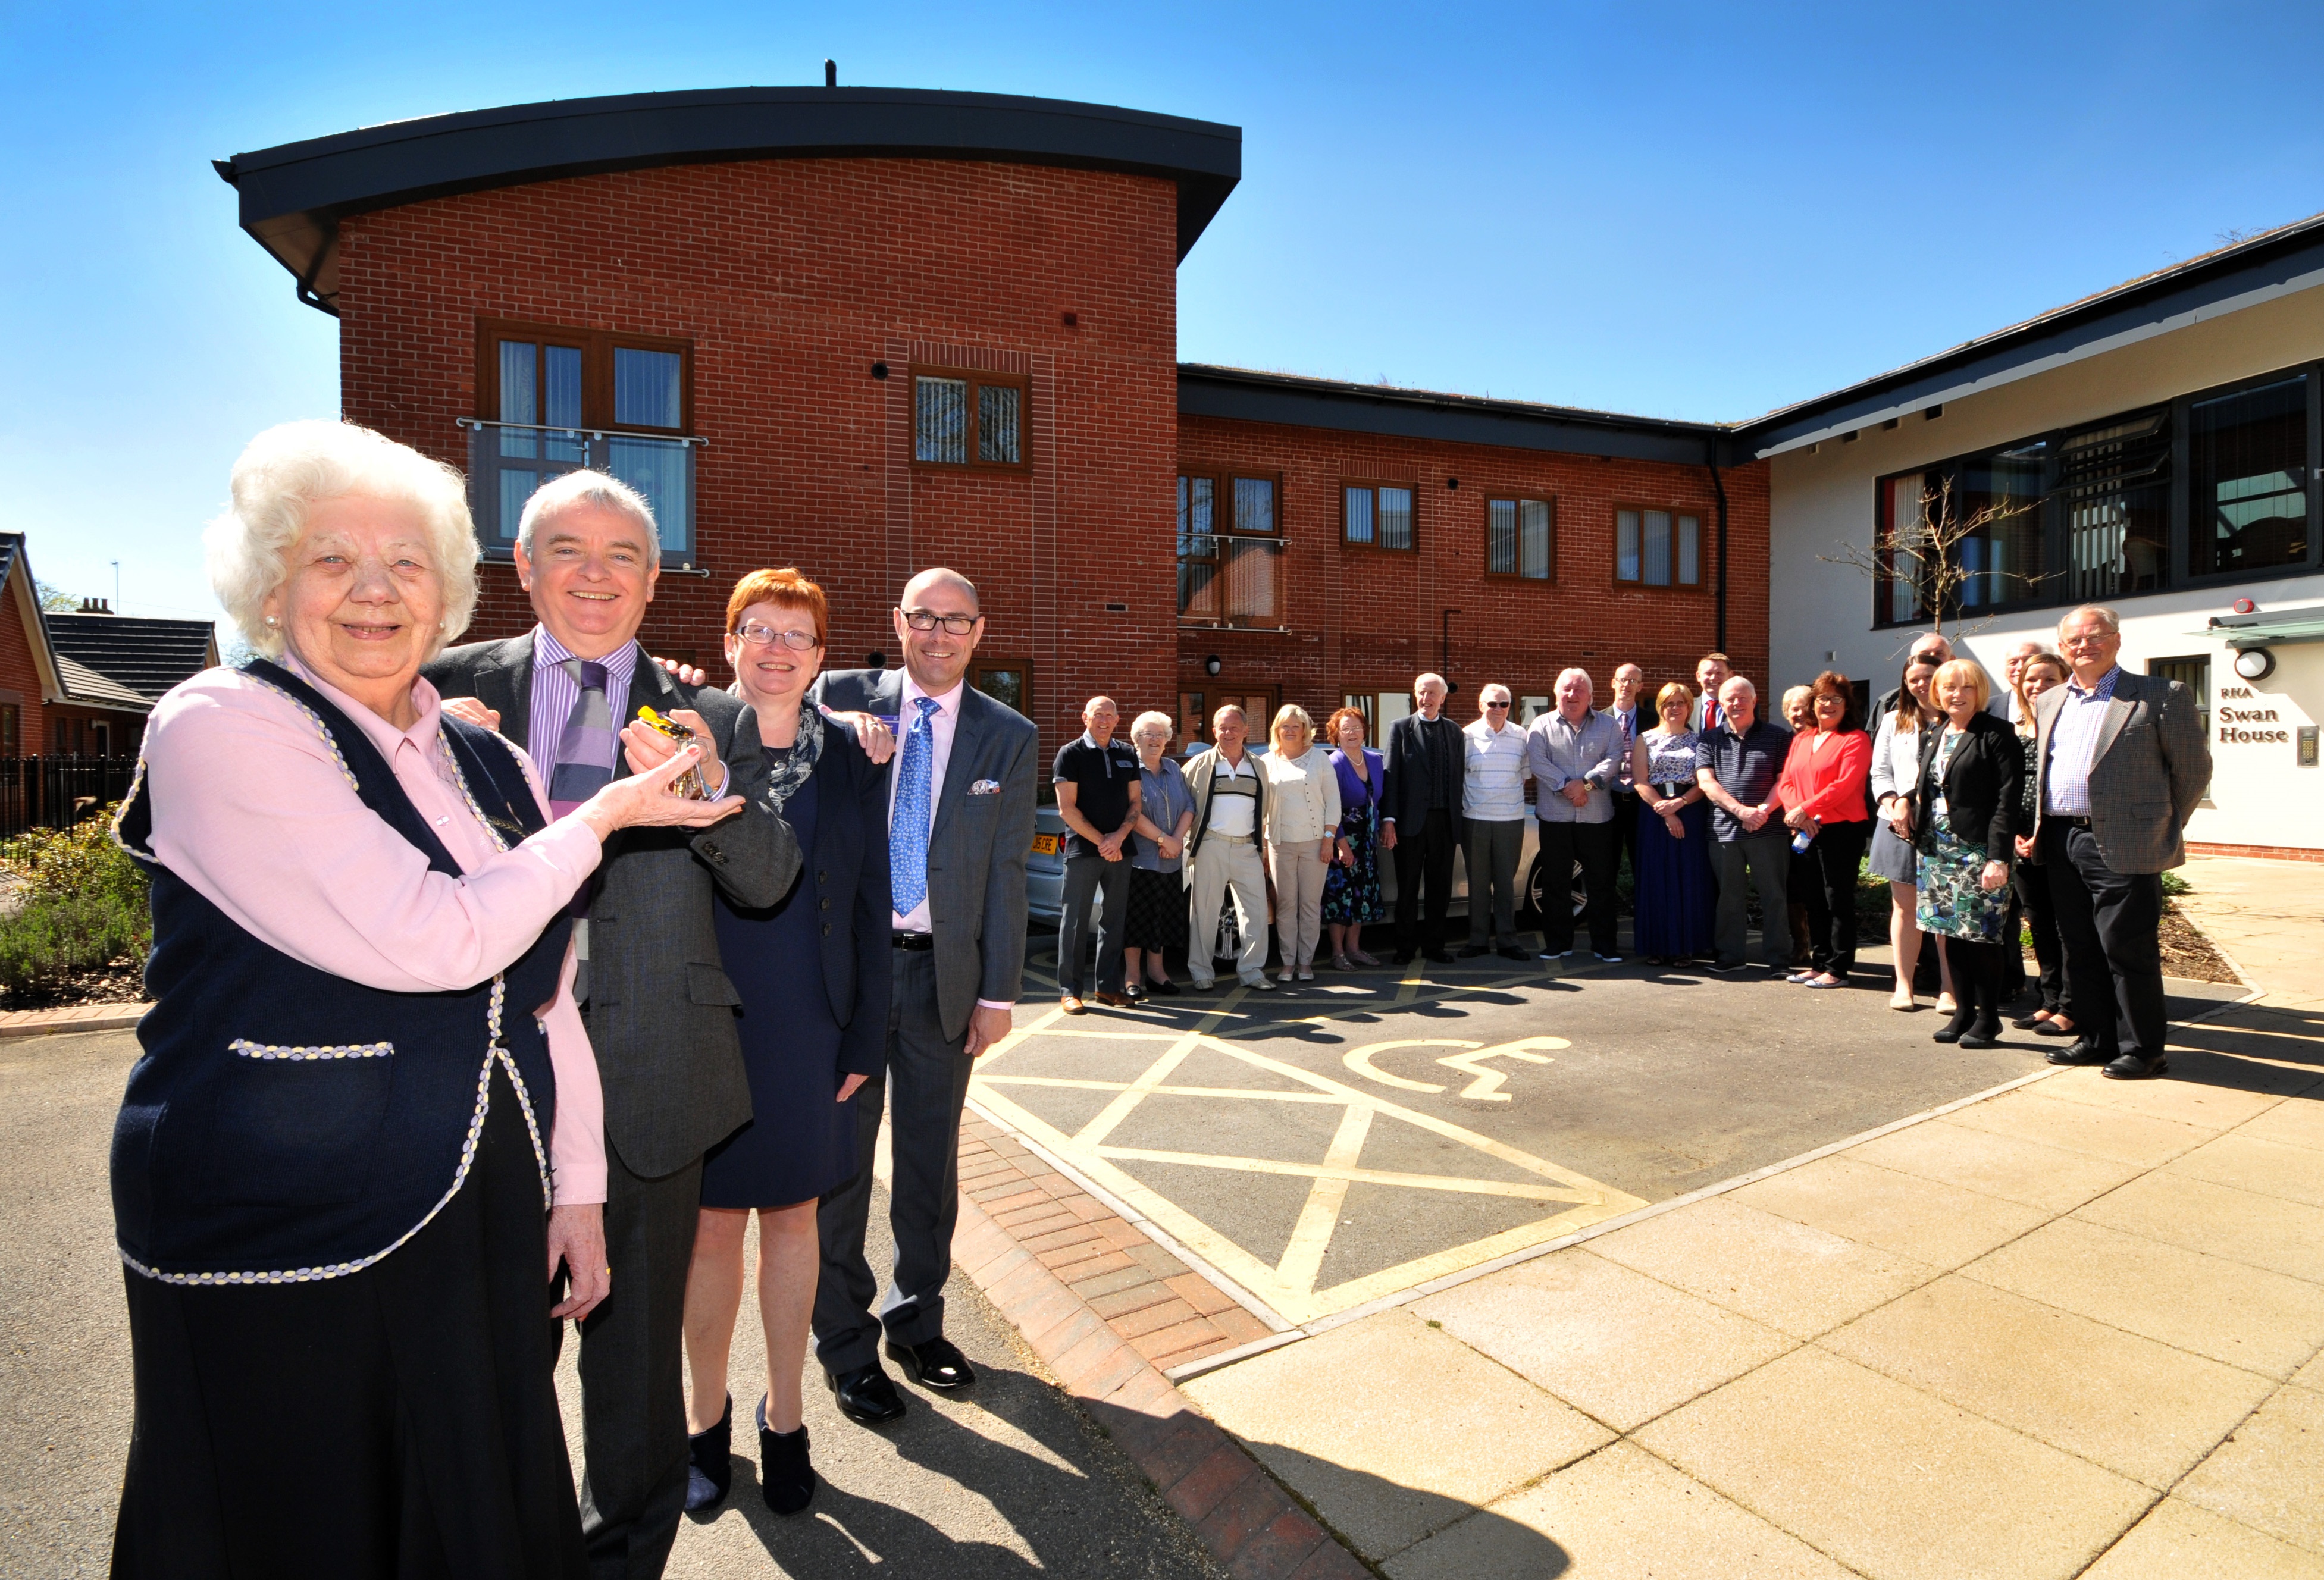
[(1352, 890), (1965, 816)]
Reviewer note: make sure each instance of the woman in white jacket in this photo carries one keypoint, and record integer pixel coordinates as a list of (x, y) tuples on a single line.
[(1302, 827), (1895, 770)]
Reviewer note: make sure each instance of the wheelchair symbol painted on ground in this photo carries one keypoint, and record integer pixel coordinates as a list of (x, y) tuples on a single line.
[(1081, 1119)]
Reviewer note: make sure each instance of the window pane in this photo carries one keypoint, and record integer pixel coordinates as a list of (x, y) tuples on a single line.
[(1359, 515), (662, 471), (940, 422), (2116, 483), (1501, 537), (516, 487), (1249, 572), (648, 388), (1904, 528), (997, 439), (2247, 480), (1625, 546), (1005, 686), (1658, 548), (1396, 518), (2001, 559), (1198, 590), (1690, 551), (561, 388), (519, 396), (1533, 533), (1254, 504), (2195, 675)]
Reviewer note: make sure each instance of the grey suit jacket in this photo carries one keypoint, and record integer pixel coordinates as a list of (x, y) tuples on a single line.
[(661, 1009), (2149, 773), (977, 844)]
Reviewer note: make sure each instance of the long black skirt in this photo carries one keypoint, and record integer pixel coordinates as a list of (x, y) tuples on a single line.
[(397, 1422)]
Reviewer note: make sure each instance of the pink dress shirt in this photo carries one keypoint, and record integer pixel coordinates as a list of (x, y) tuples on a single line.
[(943, 725), (251, 809)]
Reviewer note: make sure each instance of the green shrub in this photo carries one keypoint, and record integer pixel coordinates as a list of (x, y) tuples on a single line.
[(83, 904), (2174, 885)]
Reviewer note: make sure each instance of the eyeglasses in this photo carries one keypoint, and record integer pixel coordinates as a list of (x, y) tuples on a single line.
[(954, 625), (1501, 705), (762, 635)]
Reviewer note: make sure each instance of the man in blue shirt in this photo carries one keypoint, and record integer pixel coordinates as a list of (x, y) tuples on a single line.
[(1098, 783), (1736, 762), (1574, 753)]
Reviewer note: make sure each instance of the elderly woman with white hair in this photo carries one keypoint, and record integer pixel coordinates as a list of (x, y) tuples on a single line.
[(1157, 893), (1301, 823), (366, 1132)]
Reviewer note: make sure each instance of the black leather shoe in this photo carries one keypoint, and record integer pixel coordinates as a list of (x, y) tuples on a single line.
[(2131, 1066), (1514, 953), (1954, 1029), (1985, 1031), (2080, 1050), (937, 1363), (1405, 957), (786, 1478), (1475, 952), (710, 1463), (1443, 957), (866, 1394)]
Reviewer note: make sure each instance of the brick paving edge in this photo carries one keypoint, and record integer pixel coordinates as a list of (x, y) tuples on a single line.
[(1240, 1512), (49, 1023)]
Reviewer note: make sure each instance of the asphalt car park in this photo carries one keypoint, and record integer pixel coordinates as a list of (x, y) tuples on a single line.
[(1328, 1144)]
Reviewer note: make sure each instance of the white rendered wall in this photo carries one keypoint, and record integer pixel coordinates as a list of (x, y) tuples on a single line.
[(1820, 614)]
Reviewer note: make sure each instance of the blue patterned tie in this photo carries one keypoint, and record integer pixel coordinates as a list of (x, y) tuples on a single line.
[(907, 829)]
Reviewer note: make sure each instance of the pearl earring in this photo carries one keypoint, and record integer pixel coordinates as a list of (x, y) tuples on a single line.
[(271, 620)]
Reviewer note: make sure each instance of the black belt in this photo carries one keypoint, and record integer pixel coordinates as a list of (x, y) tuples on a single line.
[(899, 939), (1672, 792), (2063, 820)]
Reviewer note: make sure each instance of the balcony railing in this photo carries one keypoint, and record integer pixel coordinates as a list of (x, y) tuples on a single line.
[(1235, 581), (57, 792), (508, 460)]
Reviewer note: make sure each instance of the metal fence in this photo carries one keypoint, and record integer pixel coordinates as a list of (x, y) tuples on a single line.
[(57, 792)]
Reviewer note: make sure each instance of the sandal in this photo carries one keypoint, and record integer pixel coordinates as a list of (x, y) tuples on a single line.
[(1342, 963)]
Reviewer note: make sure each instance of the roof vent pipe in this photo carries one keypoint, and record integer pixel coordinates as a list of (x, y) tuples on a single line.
[(831, 74)]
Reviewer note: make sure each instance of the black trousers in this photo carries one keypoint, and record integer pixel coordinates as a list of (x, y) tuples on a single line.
[(1423, 855), (1593, 846), (1836, 854), (2032, 881), (927, 1085), (633, 1374), (2111, 924)]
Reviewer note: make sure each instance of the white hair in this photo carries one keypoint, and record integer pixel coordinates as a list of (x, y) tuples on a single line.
[(290, 468), (1495, 689), (1738, 680), (585, 488), (1583, 675), (2098, 611), (1420, 680), (1152, 720)]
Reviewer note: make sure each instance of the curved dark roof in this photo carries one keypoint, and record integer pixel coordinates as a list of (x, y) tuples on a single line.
[(293, 196)]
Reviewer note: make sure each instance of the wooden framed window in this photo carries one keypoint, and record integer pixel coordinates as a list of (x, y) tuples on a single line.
[(975, 421), (11, 729), (1229, 548), (1521, 538), (1657, 547), (1378, 514), (1007, 681)]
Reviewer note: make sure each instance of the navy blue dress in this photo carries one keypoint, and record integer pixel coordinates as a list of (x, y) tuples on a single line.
[(1676, 903), (799, 1142)]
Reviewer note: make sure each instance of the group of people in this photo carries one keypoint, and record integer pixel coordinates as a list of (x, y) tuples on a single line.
[(501, 983), (1985, 812)]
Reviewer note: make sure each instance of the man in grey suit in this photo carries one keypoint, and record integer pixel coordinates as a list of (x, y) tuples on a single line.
[(655, 996), (959, 826), (2124, 761)]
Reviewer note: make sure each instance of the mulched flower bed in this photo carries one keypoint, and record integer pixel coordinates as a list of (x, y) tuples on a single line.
[(118, 983)]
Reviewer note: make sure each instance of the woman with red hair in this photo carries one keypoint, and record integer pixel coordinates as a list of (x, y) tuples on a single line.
[(1823, 792)]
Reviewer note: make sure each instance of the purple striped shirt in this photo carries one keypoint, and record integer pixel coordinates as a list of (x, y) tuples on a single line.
[(554, 692)]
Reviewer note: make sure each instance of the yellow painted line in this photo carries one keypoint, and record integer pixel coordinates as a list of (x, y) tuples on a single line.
[(1487, 1087), (1359, 1060), (1105, 1033), (1414, 975), (1090, 1134), (1016, 1035), (1406, 999), (1260, 1093), (1319, 1216), (1344, 1173)]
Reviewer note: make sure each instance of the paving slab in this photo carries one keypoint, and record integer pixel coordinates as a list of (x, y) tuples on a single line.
[(2242, 1226), (2177, 1541), (2252, 1162), (1390, 1428), (2136, 1406), (2246, 1317), (2267, 1476), (1893, 1482), (1993, 1164), (1931, 1222), (1619, 1513), (2030, 1114), (2297, 1123), (1612, 1342)]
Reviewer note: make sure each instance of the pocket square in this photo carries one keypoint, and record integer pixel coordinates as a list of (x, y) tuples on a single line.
[(985, 787)]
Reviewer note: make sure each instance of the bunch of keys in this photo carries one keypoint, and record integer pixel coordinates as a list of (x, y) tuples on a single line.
[(689, 783)]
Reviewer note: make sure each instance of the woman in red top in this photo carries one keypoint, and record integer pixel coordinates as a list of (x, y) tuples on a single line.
[(1823, 792)]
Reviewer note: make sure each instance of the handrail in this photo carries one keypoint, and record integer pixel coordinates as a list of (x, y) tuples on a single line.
[(593, 433)]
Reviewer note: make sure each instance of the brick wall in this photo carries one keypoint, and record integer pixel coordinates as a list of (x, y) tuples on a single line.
[(792, 277), (1367, 620)]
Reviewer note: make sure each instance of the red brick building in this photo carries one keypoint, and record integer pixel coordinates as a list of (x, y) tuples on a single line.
[(865, 331)]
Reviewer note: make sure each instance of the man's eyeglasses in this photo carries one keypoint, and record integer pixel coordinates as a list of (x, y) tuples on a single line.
[(1503, 706), (956, 625), (761, 635)]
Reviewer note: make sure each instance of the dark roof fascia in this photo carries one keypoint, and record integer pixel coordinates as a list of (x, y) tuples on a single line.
[(2277, 264), (1418, 414), (294, 195)]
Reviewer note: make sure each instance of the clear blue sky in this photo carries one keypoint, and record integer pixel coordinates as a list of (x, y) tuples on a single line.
[(1700, 211)]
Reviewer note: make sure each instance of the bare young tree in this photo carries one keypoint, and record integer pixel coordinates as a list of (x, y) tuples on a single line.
[(1926, 555)]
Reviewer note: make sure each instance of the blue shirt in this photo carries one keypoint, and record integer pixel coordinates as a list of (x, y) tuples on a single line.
[(2074, 743), (1746, 767), (1163, 797), (1557, 753)]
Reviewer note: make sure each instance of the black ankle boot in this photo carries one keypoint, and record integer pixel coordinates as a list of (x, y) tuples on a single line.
[(710, 1463), (786, 1479), (1963, 1017), (1985, 1031)]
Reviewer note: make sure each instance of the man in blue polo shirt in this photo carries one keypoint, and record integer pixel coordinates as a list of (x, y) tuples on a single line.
[(1097, 779), (1736, 762)]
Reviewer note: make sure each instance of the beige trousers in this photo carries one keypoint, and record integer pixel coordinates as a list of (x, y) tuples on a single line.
[(1219, 868), (1298, 870)]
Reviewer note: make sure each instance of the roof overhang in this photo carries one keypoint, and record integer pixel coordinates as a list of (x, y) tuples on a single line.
[(294, 196), (1418, 414), (2279, 264), (2303, 623)]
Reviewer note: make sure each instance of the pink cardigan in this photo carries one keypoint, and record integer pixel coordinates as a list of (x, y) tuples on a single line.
[(251, 809)]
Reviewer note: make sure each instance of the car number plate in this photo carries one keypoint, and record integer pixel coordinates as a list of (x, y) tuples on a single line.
[(1044, 844)]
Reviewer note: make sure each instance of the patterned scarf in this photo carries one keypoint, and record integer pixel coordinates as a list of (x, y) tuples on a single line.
[(785, 777)]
